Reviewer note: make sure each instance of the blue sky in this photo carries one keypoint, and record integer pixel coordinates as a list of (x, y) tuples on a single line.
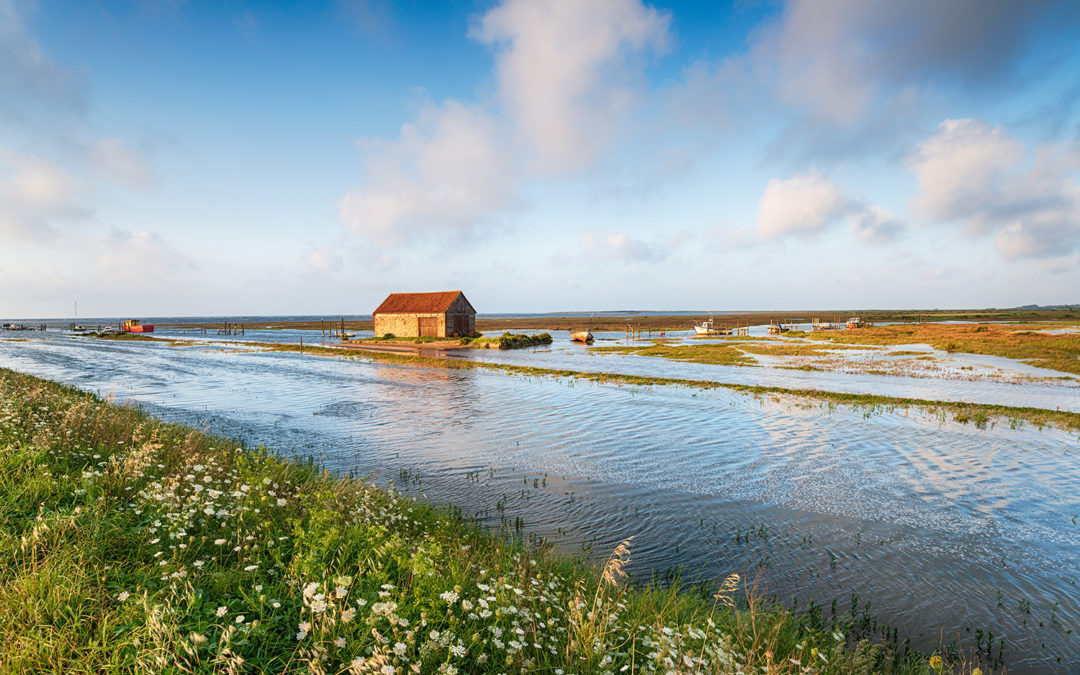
[(163, 157)]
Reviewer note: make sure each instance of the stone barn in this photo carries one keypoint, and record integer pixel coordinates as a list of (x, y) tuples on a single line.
[(442, 314)]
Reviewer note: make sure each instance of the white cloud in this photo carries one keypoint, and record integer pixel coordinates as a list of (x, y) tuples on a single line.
[(975, 175), (123, 257), (804, 204), (619, 246), (836, 58), (809, 203), (323, 259), (563, 72), (36, 195), (872, 224), (962, 164), (444, 174)]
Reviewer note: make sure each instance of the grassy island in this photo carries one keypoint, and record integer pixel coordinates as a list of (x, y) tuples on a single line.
[(132, 545)]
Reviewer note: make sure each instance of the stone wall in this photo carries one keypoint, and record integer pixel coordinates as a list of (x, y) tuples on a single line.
[(406, 325)]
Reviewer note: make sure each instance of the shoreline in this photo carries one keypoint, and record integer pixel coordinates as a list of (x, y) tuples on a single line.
[(673, 322), (297, 568)]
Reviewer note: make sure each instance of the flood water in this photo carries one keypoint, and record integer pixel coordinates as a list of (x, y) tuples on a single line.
[(946, 529)]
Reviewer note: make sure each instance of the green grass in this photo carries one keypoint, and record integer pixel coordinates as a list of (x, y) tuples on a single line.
[(120, 336), (508, 340), (713, 354), (1058, 352), (128, 545), (784, 348)]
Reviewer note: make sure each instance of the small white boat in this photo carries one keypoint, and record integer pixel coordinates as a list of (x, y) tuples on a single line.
[(710, 328), (581, 336)]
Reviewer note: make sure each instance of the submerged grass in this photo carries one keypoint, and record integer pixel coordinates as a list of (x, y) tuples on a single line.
[(1058, 352), (961, 411), (130, 545)]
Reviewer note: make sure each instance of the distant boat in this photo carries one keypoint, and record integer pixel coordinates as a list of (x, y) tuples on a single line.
[(709, 328), (855, 322), (134, 326), (582, 336)]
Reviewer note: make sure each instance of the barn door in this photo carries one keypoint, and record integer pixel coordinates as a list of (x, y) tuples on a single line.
[(429, 326), (460, 324)]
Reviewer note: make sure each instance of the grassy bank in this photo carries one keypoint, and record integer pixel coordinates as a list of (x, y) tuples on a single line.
[(132, 545), (1058, 352)]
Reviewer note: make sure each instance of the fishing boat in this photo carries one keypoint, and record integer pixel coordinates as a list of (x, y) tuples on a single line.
[(582, 336), (135, 326), (855, 322), (710, 328)]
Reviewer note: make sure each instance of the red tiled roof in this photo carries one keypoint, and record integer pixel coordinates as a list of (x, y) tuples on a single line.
[(417, 303)]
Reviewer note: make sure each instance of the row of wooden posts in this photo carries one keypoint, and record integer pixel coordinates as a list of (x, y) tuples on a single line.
[(327, 328)]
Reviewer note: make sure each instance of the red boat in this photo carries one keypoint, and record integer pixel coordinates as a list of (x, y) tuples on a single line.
[(133, 326)]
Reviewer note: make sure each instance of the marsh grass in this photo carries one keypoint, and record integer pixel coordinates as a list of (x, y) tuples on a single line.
[(1057, 352), (796, 349), (713, 354), (129, 545)]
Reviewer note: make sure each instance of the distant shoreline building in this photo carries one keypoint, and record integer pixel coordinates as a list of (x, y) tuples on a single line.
[(442, 314)]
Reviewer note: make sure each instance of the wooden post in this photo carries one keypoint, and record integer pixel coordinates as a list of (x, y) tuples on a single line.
[(301, 344)]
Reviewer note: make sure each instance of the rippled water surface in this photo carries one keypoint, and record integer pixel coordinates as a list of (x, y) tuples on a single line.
[(945, 528)]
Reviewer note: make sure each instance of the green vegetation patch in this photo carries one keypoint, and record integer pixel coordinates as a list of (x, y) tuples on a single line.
[(714, 354), (129, 545), (784, 348), (509, 340), (1058, 352)]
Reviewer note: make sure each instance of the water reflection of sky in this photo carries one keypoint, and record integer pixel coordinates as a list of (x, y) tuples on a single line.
[(988, 378), (928, 517)]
